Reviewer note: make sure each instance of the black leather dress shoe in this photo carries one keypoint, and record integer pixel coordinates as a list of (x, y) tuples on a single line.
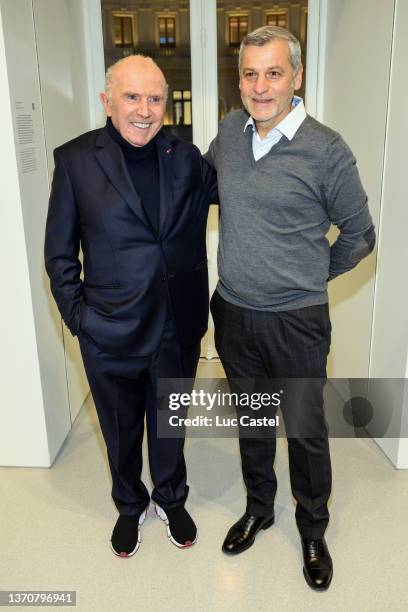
[(318, 566), (242, 535)]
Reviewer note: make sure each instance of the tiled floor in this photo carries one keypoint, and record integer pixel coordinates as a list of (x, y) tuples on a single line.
[(56, 525)]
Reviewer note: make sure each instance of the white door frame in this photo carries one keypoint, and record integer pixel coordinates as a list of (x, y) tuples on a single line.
[(316, 36), (94, 58)]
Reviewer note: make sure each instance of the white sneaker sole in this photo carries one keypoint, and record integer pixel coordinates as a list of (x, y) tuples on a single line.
[(163, 516), (124, 555)]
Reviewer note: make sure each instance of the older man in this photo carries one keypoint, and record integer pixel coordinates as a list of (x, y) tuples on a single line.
[(136, 200), (283, 180)]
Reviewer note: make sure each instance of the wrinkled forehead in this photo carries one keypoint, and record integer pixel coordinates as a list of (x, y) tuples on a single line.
[(273, 53), (148, 80)]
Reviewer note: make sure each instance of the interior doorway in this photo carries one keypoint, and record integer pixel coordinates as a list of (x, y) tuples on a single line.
[(196, 44)]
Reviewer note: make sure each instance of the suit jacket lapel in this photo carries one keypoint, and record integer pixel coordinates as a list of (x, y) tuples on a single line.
[(165, 155), (112, 162)]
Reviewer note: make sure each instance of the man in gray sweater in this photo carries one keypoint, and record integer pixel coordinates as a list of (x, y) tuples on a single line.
[(283, 180)]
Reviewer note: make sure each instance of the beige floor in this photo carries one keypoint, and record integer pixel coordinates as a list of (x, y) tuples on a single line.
[(56, 525)]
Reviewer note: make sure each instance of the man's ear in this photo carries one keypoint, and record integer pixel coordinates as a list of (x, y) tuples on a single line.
[(106, 104), (297, 79)]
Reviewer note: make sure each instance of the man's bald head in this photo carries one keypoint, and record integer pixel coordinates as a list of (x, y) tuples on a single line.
[(135, 98), (133, 62)]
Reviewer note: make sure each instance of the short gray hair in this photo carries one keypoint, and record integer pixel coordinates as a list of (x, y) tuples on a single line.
[(109, 73), (265, 34)]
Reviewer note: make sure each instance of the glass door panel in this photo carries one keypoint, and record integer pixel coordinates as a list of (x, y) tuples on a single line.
[(161, 30), (234, 23)]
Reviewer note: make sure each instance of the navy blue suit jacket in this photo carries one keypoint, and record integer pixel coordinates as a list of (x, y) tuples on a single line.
[(130, 272)]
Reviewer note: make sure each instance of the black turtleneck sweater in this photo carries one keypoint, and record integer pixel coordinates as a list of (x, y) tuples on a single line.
[(143, 167)]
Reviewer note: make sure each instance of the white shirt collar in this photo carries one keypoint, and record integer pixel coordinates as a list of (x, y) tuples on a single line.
[(289, 124)]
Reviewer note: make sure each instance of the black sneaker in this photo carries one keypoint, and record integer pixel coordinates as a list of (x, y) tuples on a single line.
[(125, 540), (181, 528)]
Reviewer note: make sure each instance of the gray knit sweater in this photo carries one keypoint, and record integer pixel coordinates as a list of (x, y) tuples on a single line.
[(275, 213)]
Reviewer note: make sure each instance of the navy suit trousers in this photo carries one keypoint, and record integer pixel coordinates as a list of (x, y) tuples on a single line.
[(124, 390)]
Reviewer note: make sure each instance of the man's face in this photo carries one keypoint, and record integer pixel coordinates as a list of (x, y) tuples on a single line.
[(137, 100), (267, 83)]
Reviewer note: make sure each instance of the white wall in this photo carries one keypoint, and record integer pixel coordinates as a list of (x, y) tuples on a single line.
[(69, 108), (353, 101), (50, 75), (71, 71), (34, 411), (389, 347), (18, 358), (363, 81)]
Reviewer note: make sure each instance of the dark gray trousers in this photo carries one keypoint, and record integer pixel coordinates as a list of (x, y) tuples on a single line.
[(282, 345)]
